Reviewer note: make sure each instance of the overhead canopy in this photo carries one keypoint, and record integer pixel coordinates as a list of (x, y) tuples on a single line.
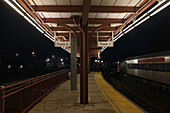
[(103, 16)]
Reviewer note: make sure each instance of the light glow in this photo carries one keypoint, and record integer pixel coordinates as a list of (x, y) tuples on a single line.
[(9, 66), (40, 30), (61, 59), (160, 9), (118, 37), (142, 21), (140, 18), (29, 18), (129, 30), (29, 21), (127, 27), (20, 66), (156, 6), (19, 6), (49, 37), (41, 27), (35, 21), (47, 60), (16, 9)]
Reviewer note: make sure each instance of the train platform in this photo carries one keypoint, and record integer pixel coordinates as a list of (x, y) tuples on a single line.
[(103, 98)]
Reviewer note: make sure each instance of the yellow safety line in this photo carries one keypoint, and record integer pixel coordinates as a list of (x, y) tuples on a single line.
[(117, 111), (117, 101)]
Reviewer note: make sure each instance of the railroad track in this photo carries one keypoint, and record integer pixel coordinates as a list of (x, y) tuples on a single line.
[(137, 98)]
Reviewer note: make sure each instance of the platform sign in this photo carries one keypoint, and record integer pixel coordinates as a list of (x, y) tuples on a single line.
[(104, 43), (59, 44)]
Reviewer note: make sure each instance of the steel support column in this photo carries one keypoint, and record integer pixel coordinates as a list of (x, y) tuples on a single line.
[(73, 63), (84, 67)]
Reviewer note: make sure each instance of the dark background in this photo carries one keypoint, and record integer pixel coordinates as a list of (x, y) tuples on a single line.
[(149, 37), (19, 36)]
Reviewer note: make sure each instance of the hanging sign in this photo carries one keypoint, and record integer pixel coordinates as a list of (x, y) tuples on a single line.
[(104, 43), (61, 43)]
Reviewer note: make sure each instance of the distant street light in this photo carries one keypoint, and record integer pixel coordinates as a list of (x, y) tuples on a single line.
[(102, 61), (61, 59), (95, 60), (20, 66), (16, 54), (53, 56), (9, 66), (47, 60), (33, 54)]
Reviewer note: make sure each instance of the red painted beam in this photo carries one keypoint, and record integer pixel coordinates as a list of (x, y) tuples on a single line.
[(89, 29), (94, 36), (90, 20), (152, 60), (79, 8)]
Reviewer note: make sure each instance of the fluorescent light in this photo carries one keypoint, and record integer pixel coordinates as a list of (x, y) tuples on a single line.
[(118, 37), (16, 9), (29, 21), (129, 30), (142, 21), (31, 18), (160, 9), (140, 18), (49, 37), (48, 33), (19, 5), (156, 6), (35, 21), (41, 27), (40, 30), (127, 27)]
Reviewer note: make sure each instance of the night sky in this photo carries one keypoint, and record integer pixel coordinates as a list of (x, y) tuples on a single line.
[(19, 36), (149, 37)]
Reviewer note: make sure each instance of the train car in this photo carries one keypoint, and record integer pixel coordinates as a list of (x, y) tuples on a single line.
[(155, 67)]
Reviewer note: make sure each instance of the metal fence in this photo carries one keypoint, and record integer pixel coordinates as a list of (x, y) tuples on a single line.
[(21, 96)]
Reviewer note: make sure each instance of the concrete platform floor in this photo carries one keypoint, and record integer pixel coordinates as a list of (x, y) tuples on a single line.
[(63, 100)]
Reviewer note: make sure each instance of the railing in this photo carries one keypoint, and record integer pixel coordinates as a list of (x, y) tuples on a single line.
[(21, 96)]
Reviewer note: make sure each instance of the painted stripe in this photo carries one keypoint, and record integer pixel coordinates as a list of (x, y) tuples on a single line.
[(152, 60), (120, 103), (107, 97)]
